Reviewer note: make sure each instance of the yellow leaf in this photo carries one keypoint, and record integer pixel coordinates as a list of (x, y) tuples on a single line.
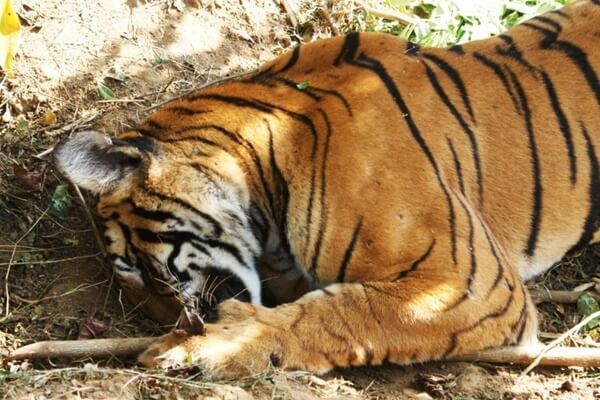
[(49, 118), (10, 28)]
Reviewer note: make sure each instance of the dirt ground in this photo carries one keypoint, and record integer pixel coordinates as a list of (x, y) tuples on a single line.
[(55, 282)]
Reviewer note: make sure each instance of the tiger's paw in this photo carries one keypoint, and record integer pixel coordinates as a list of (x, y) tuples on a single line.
[(225, 351)]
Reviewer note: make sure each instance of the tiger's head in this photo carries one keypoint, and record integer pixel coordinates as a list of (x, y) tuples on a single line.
[(176, 220)]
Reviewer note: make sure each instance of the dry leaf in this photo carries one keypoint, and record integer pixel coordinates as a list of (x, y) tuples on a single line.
[(30, 181), (94, 325), (49, 118)]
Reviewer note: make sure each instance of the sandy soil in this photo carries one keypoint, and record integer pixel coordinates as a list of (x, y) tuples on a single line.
[(147, 52)]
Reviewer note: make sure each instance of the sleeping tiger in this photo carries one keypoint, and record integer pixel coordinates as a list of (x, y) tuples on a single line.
[(357, 200)]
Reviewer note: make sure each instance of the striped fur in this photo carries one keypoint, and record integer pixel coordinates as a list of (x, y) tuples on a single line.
[(389, 210)]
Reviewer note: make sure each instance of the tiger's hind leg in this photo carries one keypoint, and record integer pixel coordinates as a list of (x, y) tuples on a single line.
[(424, 316)]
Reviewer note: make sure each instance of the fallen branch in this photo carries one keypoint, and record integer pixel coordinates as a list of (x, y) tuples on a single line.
[(559, 340), (558, 296), (556, 357), (95, 348), (131, 347)]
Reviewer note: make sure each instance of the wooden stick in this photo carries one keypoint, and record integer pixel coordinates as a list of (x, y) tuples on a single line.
[(556, 357), (130, 347), (553, 344), (539, 296), (117, 347)]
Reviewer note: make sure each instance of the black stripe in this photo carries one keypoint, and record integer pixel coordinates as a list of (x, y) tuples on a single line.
[(577, 55), (283, 195), (154, 125), (512, 51), (151, 237), (234, 137), (493, 248), (323, 189), (310, 91), (415, 264), (563, 122), (209, 173), (337, 95), (236, 101), (524, 313), (349, 250), (292, 60), (465, 127), (348, 53), (215, 225), (545, 20), (264, 107), (457, 167), (348, 50), (536, 212), (238, 139), (501, 75), (142, 143), (457, 49), (178, 238), (455, 77), (496, 314), (293, 85), (592, 222), (561, 13), (412, 49), (184, 110), (473, 257), (154, 215)]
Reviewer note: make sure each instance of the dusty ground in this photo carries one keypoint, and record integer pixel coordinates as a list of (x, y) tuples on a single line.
[(54, 276)]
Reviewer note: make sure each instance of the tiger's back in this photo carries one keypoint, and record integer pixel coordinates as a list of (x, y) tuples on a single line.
[(409, 190)]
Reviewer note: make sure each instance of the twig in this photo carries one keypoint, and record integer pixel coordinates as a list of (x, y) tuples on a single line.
[(11, 263), (205, 85), (560, 339), (90, 218), (76, 289), (74, 125), (556, 357), (389, 14), (41, 262), (117, 347), (290, 12), (327, 16), (558, 296)]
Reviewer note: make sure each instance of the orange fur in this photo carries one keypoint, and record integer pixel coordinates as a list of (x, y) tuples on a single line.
[(403, 180)]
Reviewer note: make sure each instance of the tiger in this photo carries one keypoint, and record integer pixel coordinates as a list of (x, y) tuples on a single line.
[(358, 200)]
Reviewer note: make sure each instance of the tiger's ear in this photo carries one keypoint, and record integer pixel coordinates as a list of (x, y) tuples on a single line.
[(97, 162)]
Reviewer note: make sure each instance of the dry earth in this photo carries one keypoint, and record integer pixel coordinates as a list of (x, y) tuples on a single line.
[(54, 277)]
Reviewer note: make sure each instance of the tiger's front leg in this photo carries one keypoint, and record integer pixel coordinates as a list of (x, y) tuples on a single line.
[(415, 319)]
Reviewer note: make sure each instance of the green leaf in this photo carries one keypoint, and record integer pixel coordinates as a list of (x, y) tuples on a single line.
[(60, 202), (188, 359), (105, 92), (587, 305), (162, 59), (303, 85), (22, 125)]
